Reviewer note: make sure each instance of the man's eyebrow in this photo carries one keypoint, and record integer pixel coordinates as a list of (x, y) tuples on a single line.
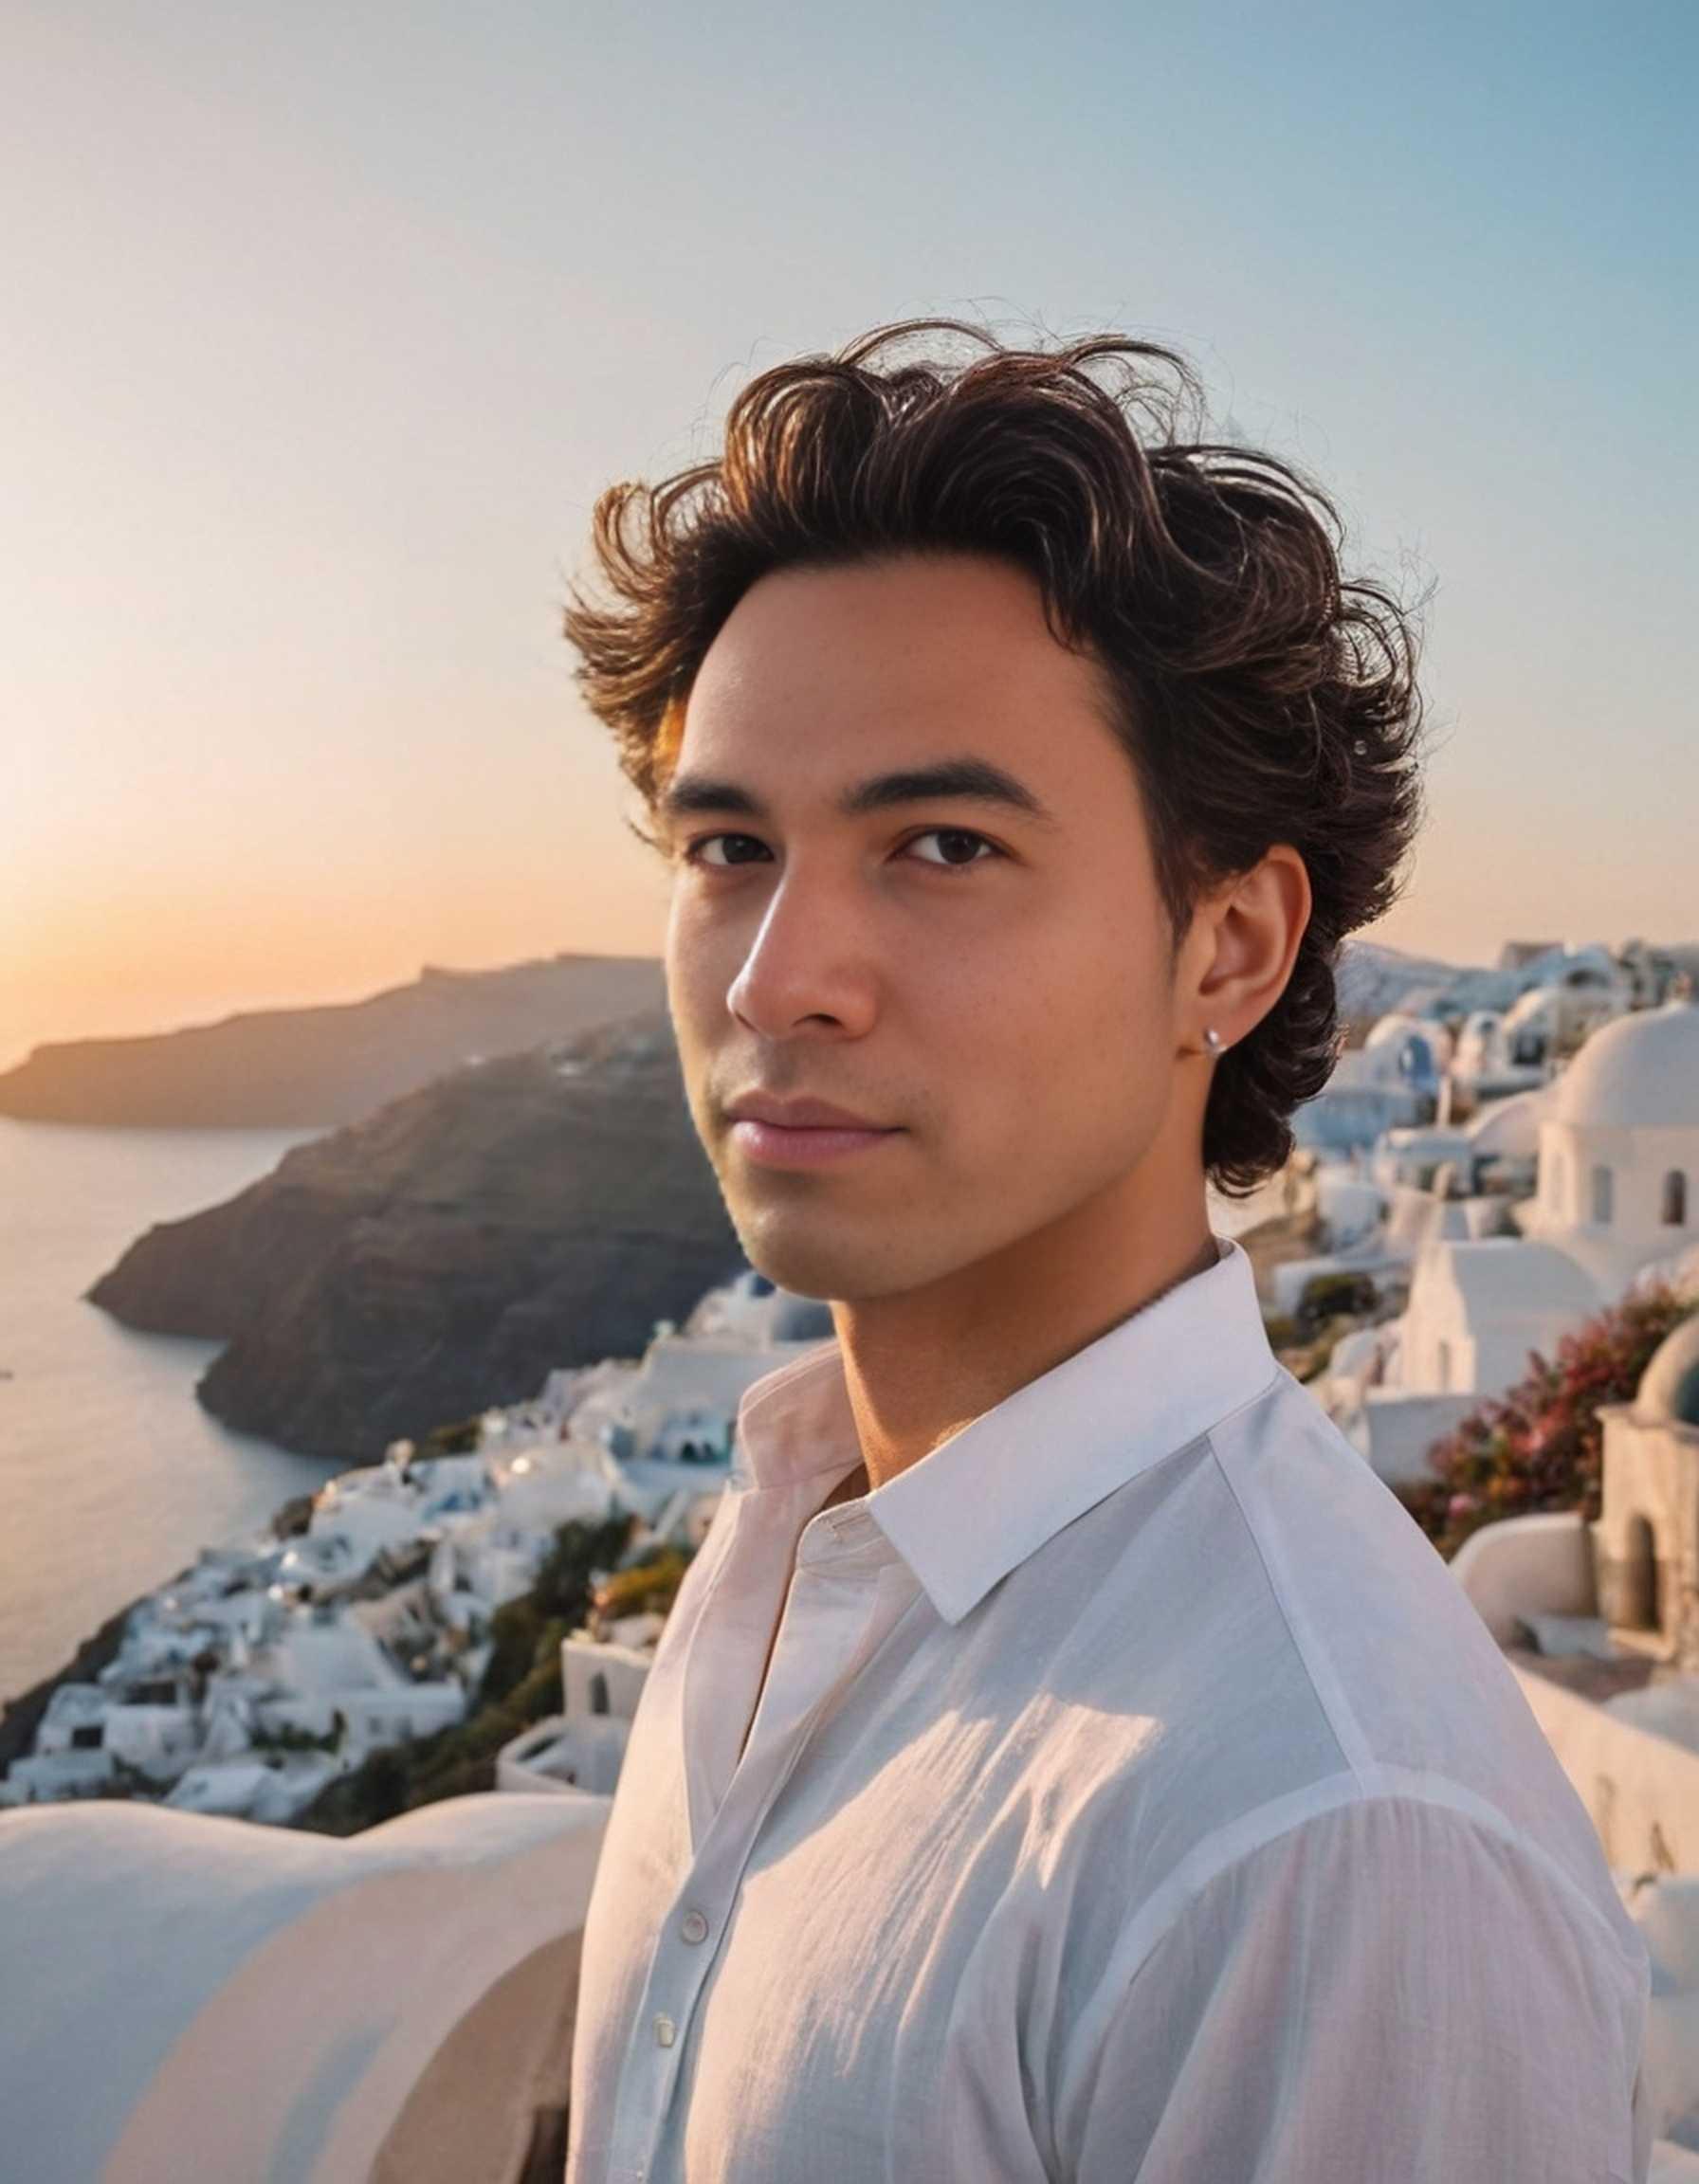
[(975, 780)]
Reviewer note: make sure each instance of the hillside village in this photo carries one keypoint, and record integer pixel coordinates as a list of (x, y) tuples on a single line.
[(275, 1665), (1506, 1154)]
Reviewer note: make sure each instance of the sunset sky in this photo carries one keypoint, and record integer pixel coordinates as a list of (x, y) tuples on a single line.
[(324, 326)]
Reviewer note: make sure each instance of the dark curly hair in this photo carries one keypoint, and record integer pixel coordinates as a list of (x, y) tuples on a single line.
[(1260, 698)]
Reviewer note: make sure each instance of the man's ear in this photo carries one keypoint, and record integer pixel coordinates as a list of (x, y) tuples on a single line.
[(1242, 942)]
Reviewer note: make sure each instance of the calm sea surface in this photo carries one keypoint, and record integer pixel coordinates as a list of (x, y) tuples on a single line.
[(111, 1474)]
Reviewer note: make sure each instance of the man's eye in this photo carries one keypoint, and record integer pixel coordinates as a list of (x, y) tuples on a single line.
[(693, 851), (956, 836)]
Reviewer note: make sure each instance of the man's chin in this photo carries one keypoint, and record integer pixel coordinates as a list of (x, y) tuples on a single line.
[(810, 1264)]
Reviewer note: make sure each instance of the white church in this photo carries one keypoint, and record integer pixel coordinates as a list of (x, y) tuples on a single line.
[(1616, 1200)]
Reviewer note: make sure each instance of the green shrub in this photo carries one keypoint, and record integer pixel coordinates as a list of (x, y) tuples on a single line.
[(561, 1595), (1320, 1356), (288, 1736), (650, 1585), (521, 1685), (562, 1585), (514, 1630), (1341, 1291)]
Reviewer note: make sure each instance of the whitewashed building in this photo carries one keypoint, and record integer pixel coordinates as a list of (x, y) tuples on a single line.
[(1647, 1536), (1617, 1198)]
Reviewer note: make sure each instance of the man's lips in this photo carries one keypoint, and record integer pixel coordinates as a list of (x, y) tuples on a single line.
[(776, 1144), (799, 1113)]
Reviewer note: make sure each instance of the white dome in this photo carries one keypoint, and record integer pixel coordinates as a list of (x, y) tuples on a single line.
[(1508, 1127), (1639, 1072), (1678, 1269), (1670, 1386)]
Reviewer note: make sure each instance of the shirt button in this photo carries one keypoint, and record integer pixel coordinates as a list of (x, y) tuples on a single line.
[(663, 2031), (693, 1926)]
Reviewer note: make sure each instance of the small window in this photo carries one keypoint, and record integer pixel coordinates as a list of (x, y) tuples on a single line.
[(1674, 1213), (1601, 1197), (88, 1738), (598, 1693)]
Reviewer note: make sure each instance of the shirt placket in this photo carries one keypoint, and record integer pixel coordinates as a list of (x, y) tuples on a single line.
[(847, 1591)]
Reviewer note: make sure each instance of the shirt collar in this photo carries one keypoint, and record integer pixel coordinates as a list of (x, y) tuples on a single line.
[(975, 1506)]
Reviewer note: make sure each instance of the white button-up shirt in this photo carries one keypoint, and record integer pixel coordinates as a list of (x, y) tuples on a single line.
[(1133, 1795)]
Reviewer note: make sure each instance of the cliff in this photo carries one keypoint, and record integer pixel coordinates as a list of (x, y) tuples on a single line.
[(310, 1068), (447, 1251)]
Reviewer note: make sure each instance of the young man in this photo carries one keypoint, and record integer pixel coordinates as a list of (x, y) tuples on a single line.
[(1065, 1760)]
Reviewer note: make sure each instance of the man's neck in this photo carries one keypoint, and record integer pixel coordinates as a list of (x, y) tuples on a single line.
[(920, 1367)]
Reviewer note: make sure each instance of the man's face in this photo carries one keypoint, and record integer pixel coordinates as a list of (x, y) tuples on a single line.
[(988, 983)]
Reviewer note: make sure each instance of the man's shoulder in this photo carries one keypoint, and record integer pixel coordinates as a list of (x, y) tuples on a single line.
[(1416, 1690), (1352, 1574), (1269, 1546), (1278, 1615)]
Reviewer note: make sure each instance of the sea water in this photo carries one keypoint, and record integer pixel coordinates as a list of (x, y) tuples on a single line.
[(112, 1476)]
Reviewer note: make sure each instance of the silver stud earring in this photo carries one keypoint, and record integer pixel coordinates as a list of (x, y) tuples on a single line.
[(1212, 1039)]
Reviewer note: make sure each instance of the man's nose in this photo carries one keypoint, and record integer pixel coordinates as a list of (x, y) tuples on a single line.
[(811, 960)]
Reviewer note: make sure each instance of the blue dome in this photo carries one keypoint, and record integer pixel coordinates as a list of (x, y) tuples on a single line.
[(1415, 1059), (1670, 1386)]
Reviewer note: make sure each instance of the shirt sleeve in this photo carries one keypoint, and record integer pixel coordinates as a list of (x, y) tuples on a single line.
[(1389, 1992)]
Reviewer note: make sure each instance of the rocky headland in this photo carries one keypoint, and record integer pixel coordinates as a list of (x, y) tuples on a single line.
[(449, 1251)]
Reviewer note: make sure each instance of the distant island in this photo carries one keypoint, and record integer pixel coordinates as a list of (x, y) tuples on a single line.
[(312, 1068), (449, 1251)]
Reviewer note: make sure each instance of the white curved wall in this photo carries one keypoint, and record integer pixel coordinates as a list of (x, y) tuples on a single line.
[(1536, 1565), (213, 1999)]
